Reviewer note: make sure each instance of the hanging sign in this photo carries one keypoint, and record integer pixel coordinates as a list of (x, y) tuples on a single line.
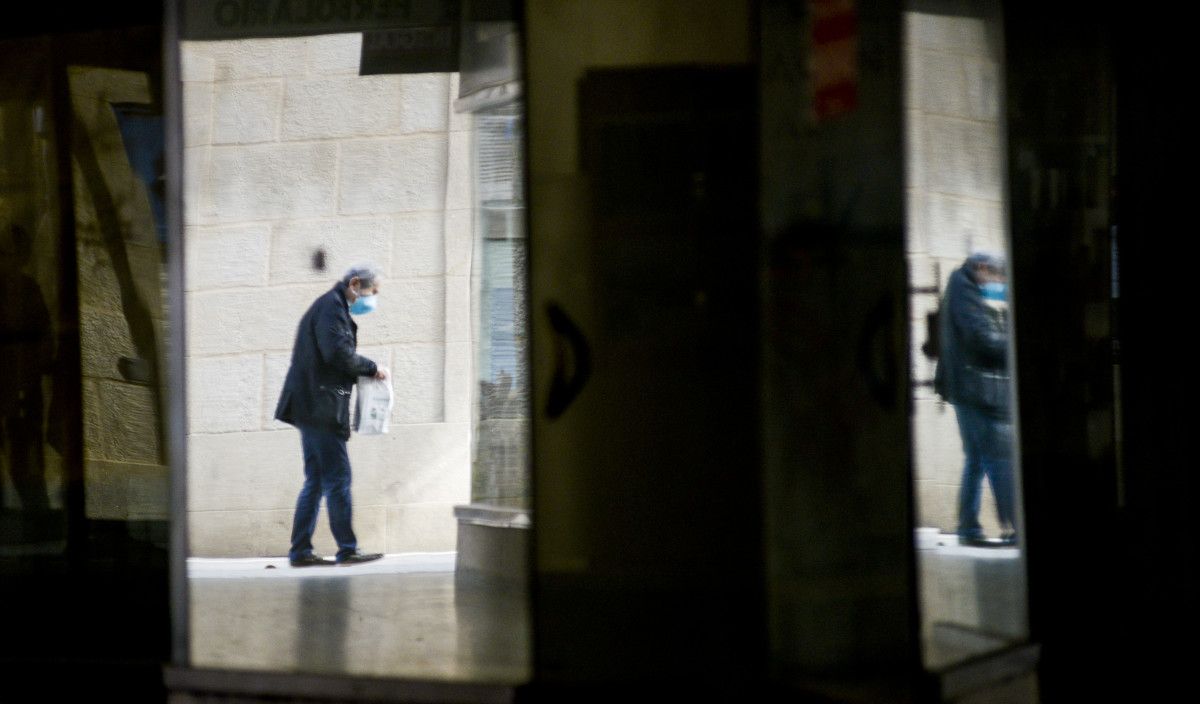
[(410, 50), (239, 19), (833, 57)]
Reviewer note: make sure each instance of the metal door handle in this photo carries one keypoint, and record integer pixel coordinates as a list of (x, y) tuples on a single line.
[(572, 361)]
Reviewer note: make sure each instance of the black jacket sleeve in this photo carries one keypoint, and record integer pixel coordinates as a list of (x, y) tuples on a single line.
[(335, 342)]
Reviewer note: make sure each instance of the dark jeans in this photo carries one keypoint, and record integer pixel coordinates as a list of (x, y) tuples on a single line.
[(21, 438), (326, 473), (987, 443)]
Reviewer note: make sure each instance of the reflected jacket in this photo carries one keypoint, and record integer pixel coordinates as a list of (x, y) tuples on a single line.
[(972, 367), (324, 367)]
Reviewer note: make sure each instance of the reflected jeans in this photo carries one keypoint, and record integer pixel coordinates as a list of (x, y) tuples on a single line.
[(21, 440), (326, 473), (987, 444)]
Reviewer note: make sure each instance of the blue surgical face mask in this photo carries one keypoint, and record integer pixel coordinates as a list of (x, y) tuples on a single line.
[(363, 304), (994, 291)]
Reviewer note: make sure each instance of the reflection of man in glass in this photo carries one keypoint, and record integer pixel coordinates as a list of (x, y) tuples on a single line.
[(972, 374), (26, 348)]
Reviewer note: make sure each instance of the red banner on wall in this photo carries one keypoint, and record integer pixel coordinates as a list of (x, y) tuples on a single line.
[(833, 57)]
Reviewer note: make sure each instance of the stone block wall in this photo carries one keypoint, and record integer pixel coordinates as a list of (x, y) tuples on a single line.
[(287, 151), (121, 305), (955, 148)]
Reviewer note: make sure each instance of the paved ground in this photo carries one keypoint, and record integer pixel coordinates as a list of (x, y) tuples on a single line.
[(401, 616), (973, 600)]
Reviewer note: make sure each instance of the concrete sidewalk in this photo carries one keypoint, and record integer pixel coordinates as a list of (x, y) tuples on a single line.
[(973, 600), (401, 616), (278, 567)]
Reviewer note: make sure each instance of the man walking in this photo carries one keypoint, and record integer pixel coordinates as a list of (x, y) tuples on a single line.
[(316, 399), (972, 374)]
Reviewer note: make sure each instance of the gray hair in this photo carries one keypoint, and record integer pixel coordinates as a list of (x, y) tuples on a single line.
[(989, 259), (365, 274)]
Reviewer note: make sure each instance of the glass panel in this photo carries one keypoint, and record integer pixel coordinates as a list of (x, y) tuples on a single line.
[(307, 185), (501, 475), (968, 513), (84, 500), (643, 242), (32, 516), (120, 234)]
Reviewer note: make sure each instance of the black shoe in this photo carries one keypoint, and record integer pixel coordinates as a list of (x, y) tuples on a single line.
[(311, 560), (975, 541), (358, 558), (985, 542)]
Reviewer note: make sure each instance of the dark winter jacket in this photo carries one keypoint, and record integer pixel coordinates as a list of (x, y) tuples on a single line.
[(973, 361), (324, 367)]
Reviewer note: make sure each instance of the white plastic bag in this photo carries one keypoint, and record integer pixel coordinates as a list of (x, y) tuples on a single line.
[(373, 409)]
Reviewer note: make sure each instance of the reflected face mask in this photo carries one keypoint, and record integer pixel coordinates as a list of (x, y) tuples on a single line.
[(363, 304), (994, 291)]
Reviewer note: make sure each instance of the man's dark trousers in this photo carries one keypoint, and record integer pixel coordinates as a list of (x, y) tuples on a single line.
[(326, 473), (987, 444)]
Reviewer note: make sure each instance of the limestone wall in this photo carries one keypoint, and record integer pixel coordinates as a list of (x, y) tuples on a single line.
[(287, 150), (121, 314)]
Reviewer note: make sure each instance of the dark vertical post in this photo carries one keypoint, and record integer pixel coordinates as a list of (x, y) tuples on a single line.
[(176, 345), (69, 380)]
